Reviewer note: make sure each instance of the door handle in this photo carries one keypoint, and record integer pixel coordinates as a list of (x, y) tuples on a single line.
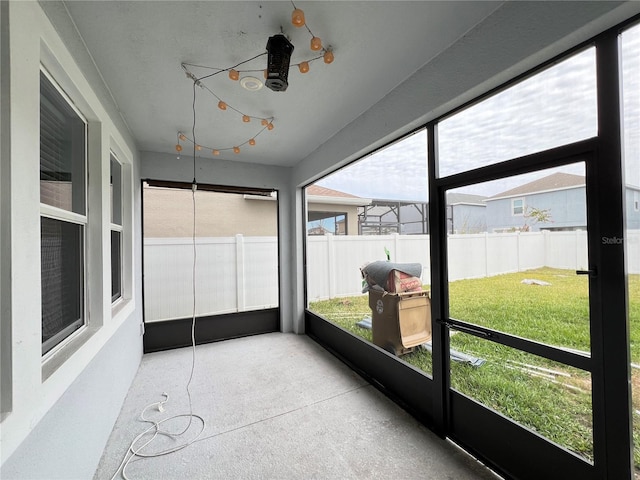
[(592, 273)]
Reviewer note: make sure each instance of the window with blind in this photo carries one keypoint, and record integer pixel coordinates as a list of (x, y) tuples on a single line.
[(63, 214), (116, 229)]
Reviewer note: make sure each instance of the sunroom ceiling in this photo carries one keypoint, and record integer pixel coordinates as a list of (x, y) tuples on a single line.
[(139, 46)]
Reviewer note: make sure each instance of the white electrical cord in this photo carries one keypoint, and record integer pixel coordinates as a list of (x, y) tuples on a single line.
[(137, 451)]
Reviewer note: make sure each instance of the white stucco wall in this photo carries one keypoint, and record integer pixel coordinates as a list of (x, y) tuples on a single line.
[(62, 409)]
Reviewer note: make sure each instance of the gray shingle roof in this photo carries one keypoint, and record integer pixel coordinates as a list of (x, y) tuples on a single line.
[(555, 181)]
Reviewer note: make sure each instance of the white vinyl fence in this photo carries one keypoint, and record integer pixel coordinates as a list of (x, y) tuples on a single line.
[(233, 274), (241, 273)]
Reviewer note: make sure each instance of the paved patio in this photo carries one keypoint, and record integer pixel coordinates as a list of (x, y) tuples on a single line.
[(275, 406)]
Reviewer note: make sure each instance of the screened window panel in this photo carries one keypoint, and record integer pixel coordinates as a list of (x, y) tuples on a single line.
[(62, 151), (62, 280), (554, 107), (116, 191), (116, 265)]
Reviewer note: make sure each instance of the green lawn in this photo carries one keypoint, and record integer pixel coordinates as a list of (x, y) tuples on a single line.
[(553, 399)]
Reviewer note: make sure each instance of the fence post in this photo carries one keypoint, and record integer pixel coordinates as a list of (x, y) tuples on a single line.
[(579, 257), (240, 283), (331, 259), (545, 247), (518, 236), (486, 254), (396, 247)]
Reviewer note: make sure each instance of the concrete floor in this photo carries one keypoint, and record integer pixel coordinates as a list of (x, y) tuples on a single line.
[(275, 406)]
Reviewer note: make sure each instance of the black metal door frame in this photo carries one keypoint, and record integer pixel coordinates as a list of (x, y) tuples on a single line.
[(511, 449)]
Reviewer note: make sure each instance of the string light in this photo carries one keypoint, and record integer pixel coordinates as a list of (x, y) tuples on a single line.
[(315, 45), (297, 17), (217, 151), (328, 56)]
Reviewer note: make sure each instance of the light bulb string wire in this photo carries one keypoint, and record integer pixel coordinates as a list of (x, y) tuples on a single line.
[(222, 149), (134, 451), (324, 50), (231, 68), (198, 81)]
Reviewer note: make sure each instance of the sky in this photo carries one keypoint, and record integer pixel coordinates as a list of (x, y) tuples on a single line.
[(553, 108)]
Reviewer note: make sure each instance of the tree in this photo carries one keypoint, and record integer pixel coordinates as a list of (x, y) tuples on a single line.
[(535, 215)]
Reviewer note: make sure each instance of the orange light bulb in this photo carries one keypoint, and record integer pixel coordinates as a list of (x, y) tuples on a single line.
[(233, 74), (304, 67), (236, 150), (216, 152), (182, 137), (316, 44), (246, 118), (178, 148), (264, 122), (222, 105), (270, 126), (328, 56), (252, 142), (297, 17), (198, 147)]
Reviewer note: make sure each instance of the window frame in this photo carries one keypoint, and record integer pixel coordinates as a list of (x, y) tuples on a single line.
[(115, 227), (71, 331), (513, 207)]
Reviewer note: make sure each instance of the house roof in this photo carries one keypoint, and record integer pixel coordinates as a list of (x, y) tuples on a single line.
[(318, 194), (555, 181), (465, 198), (319, 191)]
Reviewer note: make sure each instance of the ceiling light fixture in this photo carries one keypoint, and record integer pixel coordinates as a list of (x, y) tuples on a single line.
[(252, 84), (279, 49)]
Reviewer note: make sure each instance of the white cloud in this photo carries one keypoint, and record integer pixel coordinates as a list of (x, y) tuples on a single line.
[(555, 107)]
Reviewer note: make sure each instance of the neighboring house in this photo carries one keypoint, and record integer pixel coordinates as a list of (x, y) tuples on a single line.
[(561, 194), (632, 202), (332, 211), (466, 213), (168, 213), (319, 230)]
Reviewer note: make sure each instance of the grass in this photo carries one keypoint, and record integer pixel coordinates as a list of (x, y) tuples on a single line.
[(550, 398)]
